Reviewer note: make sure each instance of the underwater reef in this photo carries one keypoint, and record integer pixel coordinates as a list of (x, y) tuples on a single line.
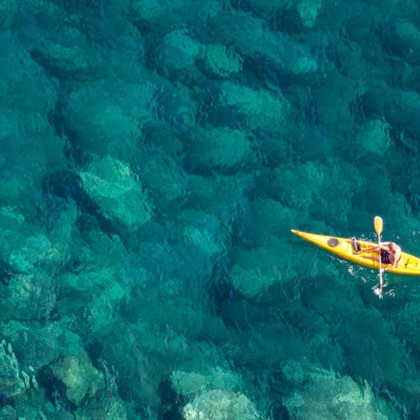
[(154, 155)]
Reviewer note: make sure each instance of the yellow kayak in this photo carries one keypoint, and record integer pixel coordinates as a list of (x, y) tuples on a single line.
[(408, 264)]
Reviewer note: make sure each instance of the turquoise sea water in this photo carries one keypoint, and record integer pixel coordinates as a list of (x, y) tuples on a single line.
[(154, 156)]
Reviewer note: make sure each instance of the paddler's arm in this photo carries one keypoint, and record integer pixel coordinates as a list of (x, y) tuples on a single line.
[(391, 266), (375, 248)]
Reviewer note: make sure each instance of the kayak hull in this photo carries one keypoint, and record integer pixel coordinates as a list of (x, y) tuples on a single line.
[(408, 264)]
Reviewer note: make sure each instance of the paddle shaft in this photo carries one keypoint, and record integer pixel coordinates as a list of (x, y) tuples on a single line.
[(380, 262), (378, 224)]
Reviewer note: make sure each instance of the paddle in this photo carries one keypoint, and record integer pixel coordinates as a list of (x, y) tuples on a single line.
[(378, 224)]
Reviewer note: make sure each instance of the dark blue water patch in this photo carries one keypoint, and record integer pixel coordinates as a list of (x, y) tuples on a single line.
[(172, 403), (402, 39), (68, 185), (407, 141), (73, 149), (6, 272)]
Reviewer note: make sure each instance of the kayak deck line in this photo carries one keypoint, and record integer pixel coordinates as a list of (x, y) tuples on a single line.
[(342, 247)]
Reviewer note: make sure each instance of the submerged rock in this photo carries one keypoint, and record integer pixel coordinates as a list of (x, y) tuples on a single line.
[(252, 38), (222, 196), (36, 249), (261, 108), (107, 116), (398, 107), (221, 148), (157, 16), (323, 395), (179, 106), (166, 180), (203, 231), (118, 193), (66, 55), (8, 413), (66, 51), (332, 103), (103, 408), (34, 405), (79, 376), (107, 405), (375, 137), (190, 384), (220, 405), (220, 60), (303, 184), (270, 218), (309, 11), (38, 347), (178, 52), (254, 271), (11, 385)]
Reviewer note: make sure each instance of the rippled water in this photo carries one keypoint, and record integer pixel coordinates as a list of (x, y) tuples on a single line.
[(154, 157)]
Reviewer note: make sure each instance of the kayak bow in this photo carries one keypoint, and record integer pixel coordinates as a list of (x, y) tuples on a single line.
[(408, 264)]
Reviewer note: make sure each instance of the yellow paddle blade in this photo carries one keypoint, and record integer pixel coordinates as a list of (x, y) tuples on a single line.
[(379, 224)]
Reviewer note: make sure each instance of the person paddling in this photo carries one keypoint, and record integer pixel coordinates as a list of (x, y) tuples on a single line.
[(388, 256)]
